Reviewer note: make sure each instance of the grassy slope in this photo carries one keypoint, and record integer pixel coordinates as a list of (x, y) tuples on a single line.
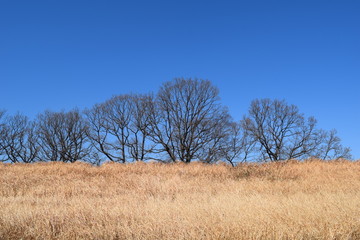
[(297, 200)]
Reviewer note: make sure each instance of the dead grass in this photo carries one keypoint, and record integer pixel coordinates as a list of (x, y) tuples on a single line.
[(292, 200)]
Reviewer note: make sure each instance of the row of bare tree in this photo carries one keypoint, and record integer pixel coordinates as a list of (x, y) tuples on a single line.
[(184, 121)]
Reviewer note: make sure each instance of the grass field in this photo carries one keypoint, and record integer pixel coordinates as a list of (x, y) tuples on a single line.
[(287, 200)]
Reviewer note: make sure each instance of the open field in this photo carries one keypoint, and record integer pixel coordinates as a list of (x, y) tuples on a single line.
[(293, 200)]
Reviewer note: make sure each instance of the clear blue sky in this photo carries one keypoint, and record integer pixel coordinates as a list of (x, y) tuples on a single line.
[(63, 54)]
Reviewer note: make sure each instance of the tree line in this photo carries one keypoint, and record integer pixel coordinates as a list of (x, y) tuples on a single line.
[(184, 121)]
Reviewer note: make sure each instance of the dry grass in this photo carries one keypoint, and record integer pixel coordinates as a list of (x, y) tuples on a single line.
[(293, 200)]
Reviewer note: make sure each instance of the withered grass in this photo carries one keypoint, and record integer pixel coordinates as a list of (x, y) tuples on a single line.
[(287, 200)]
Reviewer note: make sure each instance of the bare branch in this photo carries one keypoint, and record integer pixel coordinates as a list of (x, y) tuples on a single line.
[(184, 118), (62, 136)]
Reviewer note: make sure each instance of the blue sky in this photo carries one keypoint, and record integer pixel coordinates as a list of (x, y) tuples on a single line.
[(63, 54)]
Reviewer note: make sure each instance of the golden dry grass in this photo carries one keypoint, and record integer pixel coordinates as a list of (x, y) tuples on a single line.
[(292, 200)]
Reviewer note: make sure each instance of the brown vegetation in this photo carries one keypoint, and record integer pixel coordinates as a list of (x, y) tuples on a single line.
[(282, 200)]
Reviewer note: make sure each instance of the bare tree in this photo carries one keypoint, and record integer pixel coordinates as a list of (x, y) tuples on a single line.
[(62, 136), (184, 117), (281, 131), (211, 152), (2, 134), (18, 140), (330, 146), (118, 111), (118, 128), (109, 127), (238, 145), (98, 132), (139, 143), (2, 113)]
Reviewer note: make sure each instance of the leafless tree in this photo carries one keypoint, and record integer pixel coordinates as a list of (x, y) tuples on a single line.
[(184, 116), (109, 127), (2, 134), (18, 140), (140, 146), (98, 132), (118, 128), (2, 113), (238, 145), (211, 151), (281, 131), (62, 136), (330, 146), (118, 111)]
